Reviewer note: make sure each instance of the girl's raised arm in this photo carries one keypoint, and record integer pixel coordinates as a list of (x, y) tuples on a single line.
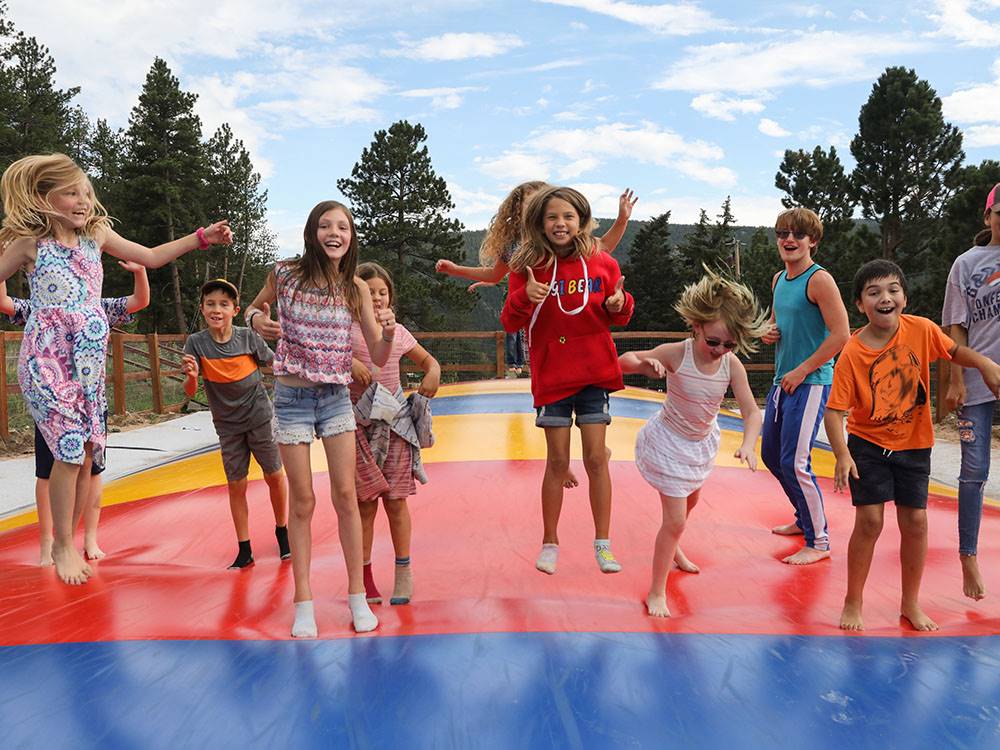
[(258, 313), (378, 328), (432, 370), (480, 274), (218, 233), (139, 299), (6, 303), (614, 235)]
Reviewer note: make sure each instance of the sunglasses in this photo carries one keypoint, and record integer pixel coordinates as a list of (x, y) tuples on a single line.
[(782, 234), (712, 343)]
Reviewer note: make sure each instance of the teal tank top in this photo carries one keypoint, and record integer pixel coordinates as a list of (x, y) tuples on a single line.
[(802, 328)]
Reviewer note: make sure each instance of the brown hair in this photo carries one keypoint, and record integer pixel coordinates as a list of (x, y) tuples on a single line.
[(314, 266), (535, 247), (801, 220), (504, 231), (371, 270)]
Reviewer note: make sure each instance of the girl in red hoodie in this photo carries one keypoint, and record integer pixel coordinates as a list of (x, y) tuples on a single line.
[(568, 293)]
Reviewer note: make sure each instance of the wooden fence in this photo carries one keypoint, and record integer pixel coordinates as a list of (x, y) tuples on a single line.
[(156, 358)]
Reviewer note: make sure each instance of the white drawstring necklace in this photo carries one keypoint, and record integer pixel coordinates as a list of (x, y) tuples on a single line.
[(552, 285)]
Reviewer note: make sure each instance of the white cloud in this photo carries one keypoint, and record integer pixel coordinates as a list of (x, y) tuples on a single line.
[(678, 19), (978, 103), (966, 22), (815, 59), (475, 207), (547, 152), (458, 46), (859, 15), (749, 210), (771, 128), (576, 168), (980, 136), (719, 108), (442, 97), (811, 11)]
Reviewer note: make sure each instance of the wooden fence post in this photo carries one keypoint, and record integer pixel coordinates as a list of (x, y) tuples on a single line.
[(118, 372), (4, 413), (153, 342), (501, 359)]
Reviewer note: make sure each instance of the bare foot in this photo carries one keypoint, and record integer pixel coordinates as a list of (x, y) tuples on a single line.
[(70, 566), (917, 618), (91, 551), (682, 562), (788, 529), (972, 581), (807, 556), (570, 481), (850, 617), (45, 556), (656, 605)]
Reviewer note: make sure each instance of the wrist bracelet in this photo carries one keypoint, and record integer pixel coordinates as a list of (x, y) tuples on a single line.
[(387, 340), (250, 319), (203, 244)]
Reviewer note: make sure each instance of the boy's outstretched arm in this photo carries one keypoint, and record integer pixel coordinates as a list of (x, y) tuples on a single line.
[(139, 299), (827, 297), (833, 422), (990, 370), (614, 235)]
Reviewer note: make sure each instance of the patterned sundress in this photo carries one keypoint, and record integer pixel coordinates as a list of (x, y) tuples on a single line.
[(61, 368)]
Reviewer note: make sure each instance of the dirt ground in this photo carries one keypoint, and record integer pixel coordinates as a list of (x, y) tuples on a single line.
[(22, 441)]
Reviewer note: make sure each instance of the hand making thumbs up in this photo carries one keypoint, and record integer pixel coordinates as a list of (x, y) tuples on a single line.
[(616, 301), (537, 291)]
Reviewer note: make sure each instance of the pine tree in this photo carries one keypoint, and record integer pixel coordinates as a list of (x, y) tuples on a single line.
[(164, 170), (907, 157), (651, 277), (400, 208), (817, 181), (234, 192), (34, 114)]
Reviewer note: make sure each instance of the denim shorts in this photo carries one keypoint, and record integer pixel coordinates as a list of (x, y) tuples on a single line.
[(300, 414), (901, 476), (590, 405)]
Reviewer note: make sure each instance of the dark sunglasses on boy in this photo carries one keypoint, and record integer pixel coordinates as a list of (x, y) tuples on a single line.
[(782, 234)]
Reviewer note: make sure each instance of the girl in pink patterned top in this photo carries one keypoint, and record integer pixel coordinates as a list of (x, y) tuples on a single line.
[(318, 297), (393, 481)]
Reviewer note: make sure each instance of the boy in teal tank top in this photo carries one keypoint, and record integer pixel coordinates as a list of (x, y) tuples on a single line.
[(810, 328)]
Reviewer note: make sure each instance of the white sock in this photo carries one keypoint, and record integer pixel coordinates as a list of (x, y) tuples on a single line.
[(598, 543), (364, 619), (305, 620), (548, 558)]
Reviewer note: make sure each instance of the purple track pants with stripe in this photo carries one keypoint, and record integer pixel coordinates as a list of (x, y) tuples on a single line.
[(790, 426)]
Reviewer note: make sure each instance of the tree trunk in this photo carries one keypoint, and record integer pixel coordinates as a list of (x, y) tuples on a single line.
[(176, 278)]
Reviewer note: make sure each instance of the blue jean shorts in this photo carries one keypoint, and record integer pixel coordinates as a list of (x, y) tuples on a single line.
[(590, 405), (300, 414)]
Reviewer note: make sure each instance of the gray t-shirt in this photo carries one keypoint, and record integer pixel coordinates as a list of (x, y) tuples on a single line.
[(231, 373), (972, 300)]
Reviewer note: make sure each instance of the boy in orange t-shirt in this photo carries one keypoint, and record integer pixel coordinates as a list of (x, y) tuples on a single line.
[(882, 383)]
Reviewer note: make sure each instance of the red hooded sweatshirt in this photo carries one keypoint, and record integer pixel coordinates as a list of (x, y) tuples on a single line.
[(570, 340)]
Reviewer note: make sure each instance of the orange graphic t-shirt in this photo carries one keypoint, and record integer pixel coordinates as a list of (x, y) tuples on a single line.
[(886, 392)]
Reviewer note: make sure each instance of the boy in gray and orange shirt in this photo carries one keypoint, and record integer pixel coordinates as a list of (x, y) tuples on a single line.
[(229, 360)]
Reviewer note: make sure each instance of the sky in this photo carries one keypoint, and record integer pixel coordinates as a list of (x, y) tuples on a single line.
[(686, 103)]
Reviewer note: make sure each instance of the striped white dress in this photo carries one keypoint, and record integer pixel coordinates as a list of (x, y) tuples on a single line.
[(675, 450)]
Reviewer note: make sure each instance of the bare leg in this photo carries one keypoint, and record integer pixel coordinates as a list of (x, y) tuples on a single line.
[(680, 559), (63, 488), (595, 461), (278, 491), (868, 520), (674, 520), (973, 585), (367, 509), (44, 521), (572, 481), (556, 466), (400, 525), (91, 517), (912, 556), (301, 505), (238, 508), (340, 459)]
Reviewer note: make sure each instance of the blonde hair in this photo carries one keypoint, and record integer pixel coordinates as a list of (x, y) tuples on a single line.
[(504, 231), (26, 185), (801, 220), (714, 297), (535, 247)]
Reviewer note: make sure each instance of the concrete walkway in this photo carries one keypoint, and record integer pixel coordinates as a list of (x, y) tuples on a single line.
[(127, 453)]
